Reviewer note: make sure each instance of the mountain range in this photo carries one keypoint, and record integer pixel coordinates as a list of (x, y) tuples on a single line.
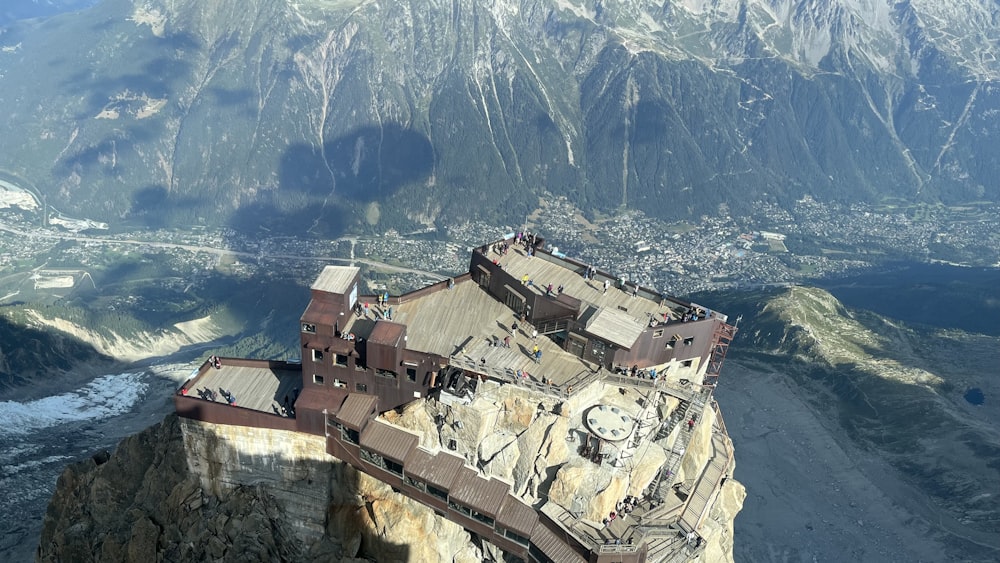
[(326, 117)]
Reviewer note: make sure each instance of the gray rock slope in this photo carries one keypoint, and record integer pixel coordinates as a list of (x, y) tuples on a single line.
[(341, 115)]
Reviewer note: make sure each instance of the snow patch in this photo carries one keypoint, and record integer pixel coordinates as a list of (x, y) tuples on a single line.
[(105, 396), (146, 15)]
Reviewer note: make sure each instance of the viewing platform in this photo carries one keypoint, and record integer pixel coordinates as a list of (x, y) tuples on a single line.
[(259, 388)]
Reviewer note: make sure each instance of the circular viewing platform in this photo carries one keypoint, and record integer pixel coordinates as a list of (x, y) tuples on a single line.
[(609, 423)]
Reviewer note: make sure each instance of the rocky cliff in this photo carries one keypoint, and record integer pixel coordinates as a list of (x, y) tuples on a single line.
[(186, 490), (153, 500)]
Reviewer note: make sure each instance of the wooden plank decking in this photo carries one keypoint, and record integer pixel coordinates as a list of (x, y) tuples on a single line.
[(258, 388)]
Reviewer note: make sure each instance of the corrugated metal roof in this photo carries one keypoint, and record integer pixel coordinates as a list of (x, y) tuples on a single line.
[(439, 470), (388, 441), (316, 400), (517, 516), (356, 410), (615, 326), (554, 547), (387, 332), (336, 279), (323, 313), (479, 494)]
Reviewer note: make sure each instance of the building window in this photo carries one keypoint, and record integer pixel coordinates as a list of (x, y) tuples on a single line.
[(689, 341), (339, 383), (516, 537), (394, 467), (671, 343), (657, 333), (411, 371), (348, 435), (688, 363), (317, 379), (317, 355), (419, 485), (458, 507), (310, 328), (361, 387), (372, 458), (488, 520), (434, 491), (340, 360), (385, 373)]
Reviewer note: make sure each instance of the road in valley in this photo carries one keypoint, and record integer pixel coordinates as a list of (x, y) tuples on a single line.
[(224, 251)]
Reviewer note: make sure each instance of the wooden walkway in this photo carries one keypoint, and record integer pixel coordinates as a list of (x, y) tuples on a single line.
[(258, 388)]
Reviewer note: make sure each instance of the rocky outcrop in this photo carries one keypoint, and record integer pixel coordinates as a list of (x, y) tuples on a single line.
[(186, 490), (161, 497), (143, 504)]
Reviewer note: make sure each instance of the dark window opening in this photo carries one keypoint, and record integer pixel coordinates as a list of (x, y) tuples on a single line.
[(310, 328), (394, 467), (688, 363), (411, 374), (516, 537), (459, 508), (361, 387), (420, 485), (671, 343), (385, 373), (689, 341), (488, 520), (349, 435), (317, 379), (340, 360)]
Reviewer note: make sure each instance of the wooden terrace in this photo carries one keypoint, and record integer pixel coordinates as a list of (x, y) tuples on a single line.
[(542, 270), (255, 385)]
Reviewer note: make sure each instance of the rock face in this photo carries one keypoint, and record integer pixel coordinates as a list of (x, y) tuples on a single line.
[(229, 495), (186, 490), (240, 112)]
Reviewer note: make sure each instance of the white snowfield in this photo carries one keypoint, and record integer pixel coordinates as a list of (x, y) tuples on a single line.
[(105, 396)]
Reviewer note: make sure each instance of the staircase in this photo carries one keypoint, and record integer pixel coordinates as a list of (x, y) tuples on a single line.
[(665, 477)]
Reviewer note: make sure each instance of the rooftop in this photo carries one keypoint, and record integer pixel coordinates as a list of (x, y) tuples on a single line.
[(335, 279), (463, 322), (543, 270)]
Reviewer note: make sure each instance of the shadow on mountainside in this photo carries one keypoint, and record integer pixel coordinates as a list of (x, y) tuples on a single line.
[(325, 190), (29, 354)]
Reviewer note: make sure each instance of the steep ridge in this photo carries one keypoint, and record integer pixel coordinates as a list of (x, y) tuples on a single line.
[(34, 355), (351, 115), (897, 391)]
